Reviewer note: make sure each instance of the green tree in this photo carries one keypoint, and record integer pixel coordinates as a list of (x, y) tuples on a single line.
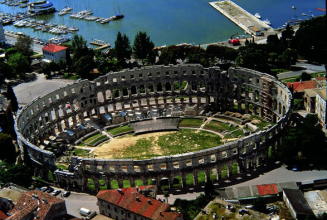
[(304, 144), (84, 66), (18, 174), (12, 97), (24, 45), (19, 64), (7, 148), (260, 204), (122, 48), (79, 46), (310, 40), (143, 47)]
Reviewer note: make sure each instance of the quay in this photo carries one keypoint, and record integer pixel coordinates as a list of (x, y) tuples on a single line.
[(239, 16)]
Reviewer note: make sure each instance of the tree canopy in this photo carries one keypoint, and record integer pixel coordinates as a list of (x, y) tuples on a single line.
[(310, 39), (123, 49), (305, 144), (18, 64), (24, 45), (143, 47), (18, 174)]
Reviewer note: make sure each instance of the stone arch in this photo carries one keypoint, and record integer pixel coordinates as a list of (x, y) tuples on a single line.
[(90, 184)]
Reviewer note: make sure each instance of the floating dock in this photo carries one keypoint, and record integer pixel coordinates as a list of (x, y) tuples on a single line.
[(239, 16)]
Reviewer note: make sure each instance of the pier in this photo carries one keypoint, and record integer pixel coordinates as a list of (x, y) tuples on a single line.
[(101, 43), (239, 16)]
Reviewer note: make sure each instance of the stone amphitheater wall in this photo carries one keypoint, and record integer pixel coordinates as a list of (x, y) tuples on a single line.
[(155, 87)]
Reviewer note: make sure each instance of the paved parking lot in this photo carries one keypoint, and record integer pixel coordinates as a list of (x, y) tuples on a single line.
[(38, 86)]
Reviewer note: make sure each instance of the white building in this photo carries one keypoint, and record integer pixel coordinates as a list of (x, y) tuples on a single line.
[(2, 34), (54, 52), (321, 106)]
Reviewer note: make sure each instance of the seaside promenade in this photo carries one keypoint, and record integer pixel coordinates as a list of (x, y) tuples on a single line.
[(239, 16)]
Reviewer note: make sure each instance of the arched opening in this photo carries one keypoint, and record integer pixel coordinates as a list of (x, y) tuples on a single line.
[(114, 184), (150, 88), (189, 179), (176, 86), (100, 97), (202, 177), (235, 168), (126, 184), (164, 183), (125, 91), (133, 90), (177, 182), (102, 185), (142, 89), (159, 87), (214, 174), (90, 184), (139, 183), (168, 87), (224, 172)]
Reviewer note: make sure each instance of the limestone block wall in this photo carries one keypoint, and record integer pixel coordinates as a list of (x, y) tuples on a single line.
[(157, 87)]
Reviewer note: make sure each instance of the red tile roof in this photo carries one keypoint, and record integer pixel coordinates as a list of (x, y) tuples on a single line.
[(31, 201), (3, 215), (130, 199), (53, 48), (267, 189), (301, 86)]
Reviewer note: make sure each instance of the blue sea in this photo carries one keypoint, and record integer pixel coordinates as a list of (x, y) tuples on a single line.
[(167, 22)]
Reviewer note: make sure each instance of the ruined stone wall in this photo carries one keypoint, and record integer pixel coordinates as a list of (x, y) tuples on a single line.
[(154, 87)]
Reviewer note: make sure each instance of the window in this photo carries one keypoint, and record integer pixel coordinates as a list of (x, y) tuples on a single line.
[(108, 206), (115, 209)]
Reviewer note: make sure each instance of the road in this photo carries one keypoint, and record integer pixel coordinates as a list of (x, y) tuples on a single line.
[(308, 68)]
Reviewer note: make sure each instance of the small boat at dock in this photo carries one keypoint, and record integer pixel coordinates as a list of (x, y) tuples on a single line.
[(303, 14), (293, 7), (257, 15)]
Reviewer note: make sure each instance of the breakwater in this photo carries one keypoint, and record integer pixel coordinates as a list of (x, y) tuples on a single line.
[(238, 15)]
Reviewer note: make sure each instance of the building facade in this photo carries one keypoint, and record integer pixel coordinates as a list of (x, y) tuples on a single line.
[(321, 106), (54, 52)]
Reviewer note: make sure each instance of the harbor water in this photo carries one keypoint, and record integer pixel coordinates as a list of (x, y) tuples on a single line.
[(167, 22)]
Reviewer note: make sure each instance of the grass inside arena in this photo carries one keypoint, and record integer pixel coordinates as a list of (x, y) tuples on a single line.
[(157, 144)]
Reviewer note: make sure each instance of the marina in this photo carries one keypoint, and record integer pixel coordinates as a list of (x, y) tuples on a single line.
[(180, 26), (239, 16)]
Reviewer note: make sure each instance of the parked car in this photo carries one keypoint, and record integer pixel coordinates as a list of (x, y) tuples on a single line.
[(66, 194), (44, 188), (56, 192), (50, 190)]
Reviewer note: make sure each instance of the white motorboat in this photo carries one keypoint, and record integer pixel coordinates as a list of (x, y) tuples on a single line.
[(257, 15)]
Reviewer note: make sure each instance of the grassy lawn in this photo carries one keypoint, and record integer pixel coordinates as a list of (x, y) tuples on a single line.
[(171, 144), (219, 126), (98, 139), (62, 167), (120, 130), (71, 76), (92, 138), (81, 152), (193, 123)]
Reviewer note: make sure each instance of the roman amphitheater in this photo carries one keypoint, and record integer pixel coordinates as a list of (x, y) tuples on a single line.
[(153, 99)]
